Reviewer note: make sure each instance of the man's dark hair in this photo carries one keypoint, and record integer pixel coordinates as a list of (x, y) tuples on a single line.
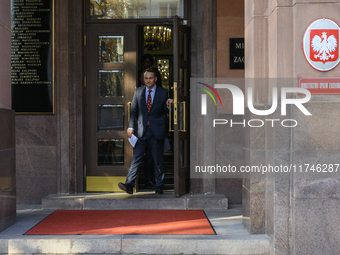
[(151, 70), (149, 56)]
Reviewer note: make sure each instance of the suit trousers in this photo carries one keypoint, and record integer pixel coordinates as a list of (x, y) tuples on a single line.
[(148, 171), (156, 148)]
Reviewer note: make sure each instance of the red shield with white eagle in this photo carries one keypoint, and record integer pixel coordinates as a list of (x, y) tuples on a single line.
[(321, 44), (324, 45)]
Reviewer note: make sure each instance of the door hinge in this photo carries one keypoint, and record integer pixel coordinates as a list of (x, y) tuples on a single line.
[(85, 82), (85, 40)]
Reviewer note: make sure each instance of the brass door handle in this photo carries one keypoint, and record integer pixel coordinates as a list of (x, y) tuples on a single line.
[(175, 103), (184, 120), (175, 108), (170, 130), (129, 110)]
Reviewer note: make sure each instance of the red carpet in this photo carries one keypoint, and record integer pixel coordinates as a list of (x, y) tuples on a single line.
[(124, 222)]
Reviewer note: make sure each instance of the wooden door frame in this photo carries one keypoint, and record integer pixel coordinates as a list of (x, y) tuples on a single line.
[(137, 22), (182, 174)]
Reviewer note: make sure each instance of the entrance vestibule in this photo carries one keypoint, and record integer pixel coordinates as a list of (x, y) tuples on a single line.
[(113, 52)]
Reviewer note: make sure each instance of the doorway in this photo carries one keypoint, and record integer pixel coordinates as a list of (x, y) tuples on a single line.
[(155, 50), (113, 51)]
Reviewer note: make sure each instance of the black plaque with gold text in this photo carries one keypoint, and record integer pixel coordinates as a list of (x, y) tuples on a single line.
[(32, 56), (236, 47)]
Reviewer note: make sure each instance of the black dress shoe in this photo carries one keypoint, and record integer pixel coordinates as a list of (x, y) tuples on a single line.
[(126, 187), (159, 190), (149, 185)]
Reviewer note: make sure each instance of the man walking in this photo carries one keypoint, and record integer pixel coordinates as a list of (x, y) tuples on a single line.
[(149, 107)]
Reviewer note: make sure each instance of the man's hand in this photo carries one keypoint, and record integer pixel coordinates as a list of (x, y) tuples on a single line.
[(129, 132), (169, 101)]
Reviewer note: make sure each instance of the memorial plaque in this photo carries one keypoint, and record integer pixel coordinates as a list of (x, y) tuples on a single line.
[(32, 56), (236, 49)]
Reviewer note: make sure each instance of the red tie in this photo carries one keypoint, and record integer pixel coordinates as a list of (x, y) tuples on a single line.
[(148, 105)]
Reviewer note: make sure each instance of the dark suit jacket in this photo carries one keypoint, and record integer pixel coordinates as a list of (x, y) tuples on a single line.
[(157, 116)]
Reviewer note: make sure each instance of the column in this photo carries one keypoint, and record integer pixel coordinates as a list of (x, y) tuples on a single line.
[(256, 72), (202, 135), (7, 127)]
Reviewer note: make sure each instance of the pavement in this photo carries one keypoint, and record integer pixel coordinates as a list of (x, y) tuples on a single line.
[(231, 238)]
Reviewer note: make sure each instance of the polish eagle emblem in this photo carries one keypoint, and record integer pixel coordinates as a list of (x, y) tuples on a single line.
[(324, 47)]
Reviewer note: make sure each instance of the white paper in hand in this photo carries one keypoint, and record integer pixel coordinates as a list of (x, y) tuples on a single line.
[(133, 140)]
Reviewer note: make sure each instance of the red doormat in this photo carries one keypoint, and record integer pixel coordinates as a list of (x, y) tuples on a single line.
[(124, 222)]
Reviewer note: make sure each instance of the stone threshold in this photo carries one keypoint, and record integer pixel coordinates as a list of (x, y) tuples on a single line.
[(140, 200), (136, 245)]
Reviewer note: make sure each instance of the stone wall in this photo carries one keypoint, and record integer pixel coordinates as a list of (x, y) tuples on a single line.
[(7, 135), (7, 169), (315, 198), (299, 208), (36, 161), (49, 148)]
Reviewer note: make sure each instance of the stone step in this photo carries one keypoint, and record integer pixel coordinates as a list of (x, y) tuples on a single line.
[(140, 200), (135, 245)]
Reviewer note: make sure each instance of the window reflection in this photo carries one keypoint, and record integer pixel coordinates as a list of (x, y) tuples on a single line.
[(134, 9), (111, 83), (111, 49), (110, 118), (163, 66), (110, 152)]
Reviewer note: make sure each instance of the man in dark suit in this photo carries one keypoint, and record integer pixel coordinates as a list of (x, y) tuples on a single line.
[(149, 176), (149, 108)]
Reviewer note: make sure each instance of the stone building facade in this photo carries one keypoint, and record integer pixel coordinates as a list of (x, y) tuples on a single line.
[(299, 214)]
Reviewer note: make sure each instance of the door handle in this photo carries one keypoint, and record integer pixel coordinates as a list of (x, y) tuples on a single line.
[(129, 110), (184, 119), (175, 103), (175, 108), (170, 130)]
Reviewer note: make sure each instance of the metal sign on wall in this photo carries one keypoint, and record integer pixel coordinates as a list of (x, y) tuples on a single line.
[(236, 53), (321, 44), (320, 85), (32, 56)]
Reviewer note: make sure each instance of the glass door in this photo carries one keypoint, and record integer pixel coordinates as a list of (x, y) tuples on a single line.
[(110, 84), (181, 107)]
